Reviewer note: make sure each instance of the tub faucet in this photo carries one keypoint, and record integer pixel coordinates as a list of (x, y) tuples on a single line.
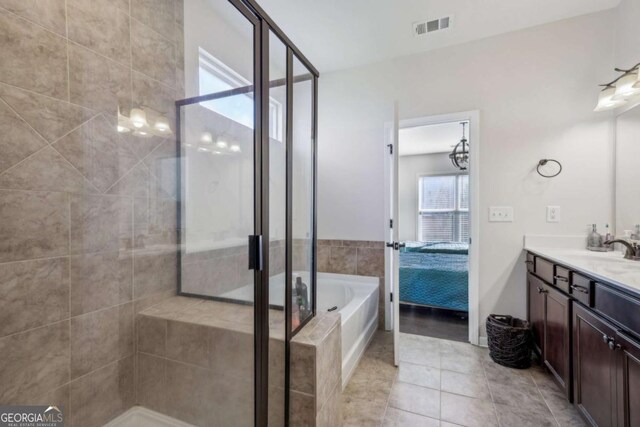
[(301, 296), (633, 251)]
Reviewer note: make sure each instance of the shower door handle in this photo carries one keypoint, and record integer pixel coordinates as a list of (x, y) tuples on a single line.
[(255, 252)]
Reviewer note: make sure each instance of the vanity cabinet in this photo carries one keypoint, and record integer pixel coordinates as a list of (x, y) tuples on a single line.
[(557, 333), (628, 381), (535, 309), (594, 368), (549, 316), (587, 334)]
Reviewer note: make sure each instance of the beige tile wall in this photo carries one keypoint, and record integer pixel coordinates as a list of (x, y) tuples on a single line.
[(316, 373), (357, 257), (76, 196)]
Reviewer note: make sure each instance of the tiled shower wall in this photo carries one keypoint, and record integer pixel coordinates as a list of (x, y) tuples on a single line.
[(356, 257), (88, 215)]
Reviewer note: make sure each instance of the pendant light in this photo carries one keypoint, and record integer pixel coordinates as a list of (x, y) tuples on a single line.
[(460, 154)]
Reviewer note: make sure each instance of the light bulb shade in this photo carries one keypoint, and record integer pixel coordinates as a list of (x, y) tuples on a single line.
[(138, 118), (221, 143), (606, 101), (625, 87), (162, 124), (235, 148), (206, 137)]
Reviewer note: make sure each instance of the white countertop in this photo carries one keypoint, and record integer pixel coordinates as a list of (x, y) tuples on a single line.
[(609, 267)]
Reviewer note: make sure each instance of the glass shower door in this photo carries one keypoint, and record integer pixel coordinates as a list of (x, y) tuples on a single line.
[(220, 209)]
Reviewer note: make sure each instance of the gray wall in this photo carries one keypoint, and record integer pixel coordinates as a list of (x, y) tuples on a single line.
[(410, 167)]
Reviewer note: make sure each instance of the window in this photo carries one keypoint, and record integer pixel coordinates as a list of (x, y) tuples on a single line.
[(215, 76), (443, 208)]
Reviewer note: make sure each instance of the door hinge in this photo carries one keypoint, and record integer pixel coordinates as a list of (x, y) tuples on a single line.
[(391, 297), (390, 223), (390, 148)]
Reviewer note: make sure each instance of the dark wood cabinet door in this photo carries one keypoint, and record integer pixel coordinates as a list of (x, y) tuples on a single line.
[(628, 381), (535, 311), (594, 368), (557, 336)]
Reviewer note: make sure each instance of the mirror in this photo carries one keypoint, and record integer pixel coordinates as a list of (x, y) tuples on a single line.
[(627, 172)]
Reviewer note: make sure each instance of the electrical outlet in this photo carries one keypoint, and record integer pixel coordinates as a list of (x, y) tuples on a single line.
[(500, 214), (553, 213)]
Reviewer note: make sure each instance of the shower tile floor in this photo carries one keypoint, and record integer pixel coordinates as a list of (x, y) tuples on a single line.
[(446, 383)]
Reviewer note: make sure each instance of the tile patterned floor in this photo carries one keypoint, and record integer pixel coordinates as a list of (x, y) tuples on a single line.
[(446, 383)]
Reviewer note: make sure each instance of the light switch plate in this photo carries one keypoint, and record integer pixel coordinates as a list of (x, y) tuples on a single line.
[(553, 213), (501, 214)]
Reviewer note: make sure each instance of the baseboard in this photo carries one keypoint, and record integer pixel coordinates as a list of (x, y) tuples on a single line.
[(482, 342)]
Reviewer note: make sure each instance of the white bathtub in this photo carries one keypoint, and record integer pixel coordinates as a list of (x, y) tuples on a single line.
[(357, 301), (356, 298)]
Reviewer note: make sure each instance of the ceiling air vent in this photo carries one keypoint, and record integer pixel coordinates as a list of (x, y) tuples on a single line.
[(424, 27)]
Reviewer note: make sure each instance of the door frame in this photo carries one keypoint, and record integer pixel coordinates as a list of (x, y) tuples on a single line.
[(473, 117)]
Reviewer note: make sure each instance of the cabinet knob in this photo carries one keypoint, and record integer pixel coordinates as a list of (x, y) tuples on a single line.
[(542, 291), (606, 339), (561, 278)]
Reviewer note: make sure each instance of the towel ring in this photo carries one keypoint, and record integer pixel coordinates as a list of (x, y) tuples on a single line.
[(543, 162)]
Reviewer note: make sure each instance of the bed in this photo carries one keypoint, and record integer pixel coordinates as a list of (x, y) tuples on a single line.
[(435, 274)]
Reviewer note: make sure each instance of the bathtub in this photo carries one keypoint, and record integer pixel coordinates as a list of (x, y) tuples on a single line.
[(357, 300), (355, 297)]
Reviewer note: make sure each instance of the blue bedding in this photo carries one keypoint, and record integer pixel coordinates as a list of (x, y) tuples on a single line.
[(435, 274)]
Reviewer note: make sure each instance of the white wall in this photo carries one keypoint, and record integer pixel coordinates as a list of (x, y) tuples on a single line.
[(409, 168), (627, 34), (535, 93)]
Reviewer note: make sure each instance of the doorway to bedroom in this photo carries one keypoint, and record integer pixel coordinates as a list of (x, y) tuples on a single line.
[(434, 224)]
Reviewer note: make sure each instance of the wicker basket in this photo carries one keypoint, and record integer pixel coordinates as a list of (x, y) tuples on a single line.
[(510, 341)]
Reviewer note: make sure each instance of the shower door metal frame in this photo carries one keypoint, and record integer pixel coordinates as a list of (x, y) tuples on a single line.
[(263, 25)]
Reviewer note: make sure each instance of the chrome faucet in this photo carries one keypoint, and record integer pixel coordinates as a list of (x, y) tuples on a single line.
[(633, 251)]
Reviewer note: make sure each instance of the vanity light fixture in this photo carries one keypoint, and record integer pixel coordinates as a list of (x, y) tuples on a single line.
[(606, 101), (235, 148), (138, 123), (623, 89)]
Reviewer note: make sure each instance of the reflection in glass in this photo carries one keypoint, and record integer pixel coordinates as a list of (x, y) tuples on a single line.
[(302, 125), (277, 227)]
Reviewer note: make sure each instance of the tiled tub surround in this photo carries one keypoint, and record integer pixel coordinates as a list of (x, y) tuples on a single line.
[(195, 363), (316, 373), (87, 224), (355, 257), (216, 272)]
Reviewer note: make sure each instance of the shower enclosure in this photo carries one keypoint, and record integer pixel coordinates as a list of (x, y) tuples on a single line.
[(157, 211), (247, 191)]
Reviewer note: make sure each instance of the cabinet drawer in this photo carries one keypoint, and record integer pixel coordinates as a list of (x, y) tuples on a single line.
[(618, 306), (544, 269), (529, 262), (582, 289), (561, 278)]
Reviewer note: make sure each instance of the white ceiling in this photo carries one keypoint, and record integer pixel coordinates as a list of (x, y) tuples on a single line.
[(438, 138), (337, 34)]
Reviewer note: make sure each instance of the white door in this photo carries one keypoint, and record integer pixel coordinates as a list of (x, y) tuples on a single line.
[(393, 246)]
